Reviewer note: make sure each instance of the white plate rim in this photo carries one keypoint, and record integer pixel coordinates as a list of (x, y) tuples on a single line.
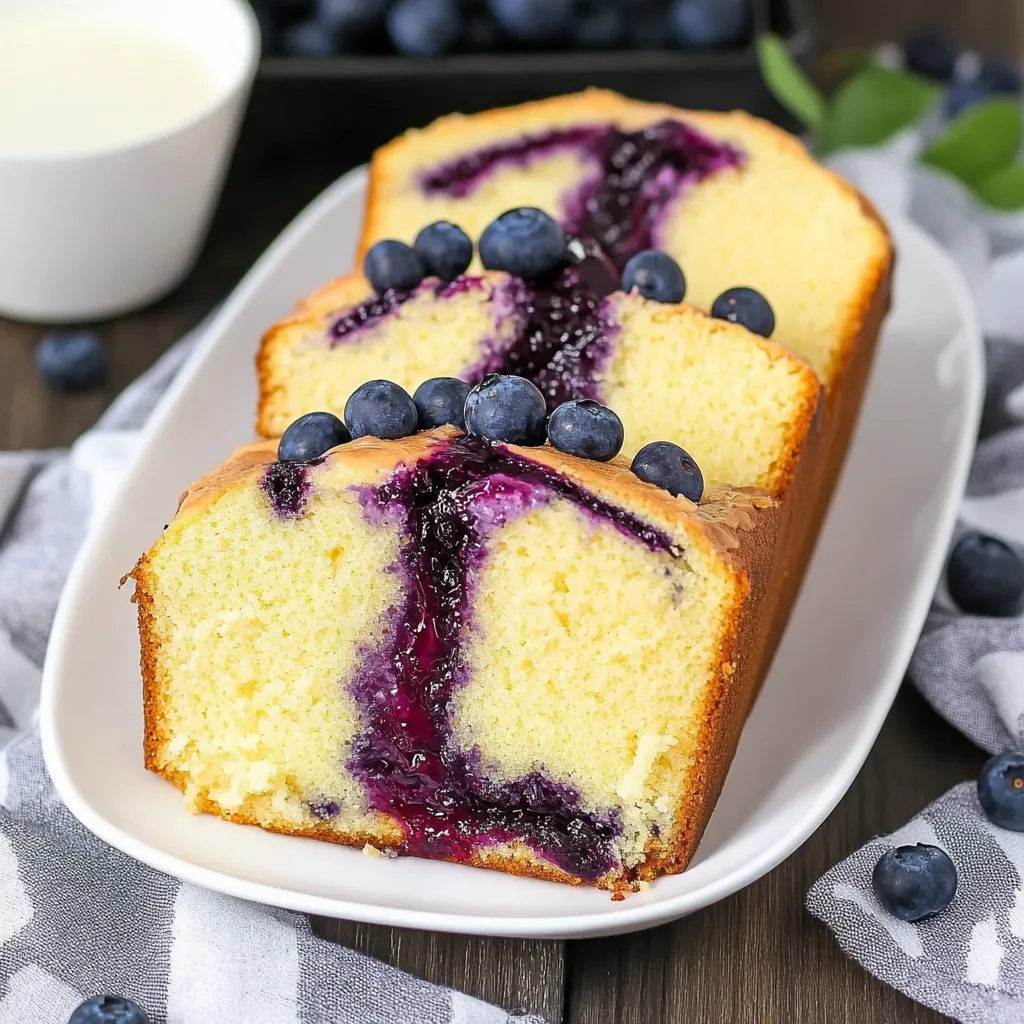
[(566, 927)]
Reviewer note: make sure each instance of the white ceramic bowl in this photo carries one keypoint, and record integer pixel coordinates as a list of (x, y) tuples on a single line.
[(92, 234)]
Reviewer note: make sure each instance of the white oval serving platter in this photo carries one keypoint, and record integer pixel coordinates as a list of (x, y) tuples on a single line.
[(834, 678)]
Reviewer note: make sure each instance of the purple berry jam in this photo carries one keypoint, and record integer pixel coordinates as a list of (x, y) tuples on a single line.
[(463, 175), (369, 311), (562, 339), (637, 176), (447, 505), (287, 488)]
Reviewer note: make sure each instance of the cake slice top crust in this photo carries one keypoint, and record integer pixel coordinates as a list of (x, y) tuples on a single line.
[(735, 200), (723, 515)]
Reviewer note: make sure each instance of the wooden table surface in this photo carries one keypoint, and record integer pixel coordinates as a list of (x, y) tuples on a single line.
[(755, 957)]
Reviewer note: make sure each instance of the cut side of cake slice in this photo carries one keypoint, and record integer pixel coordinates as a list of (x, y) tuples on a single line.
[(743, 406), (460, 649), (735, 200)]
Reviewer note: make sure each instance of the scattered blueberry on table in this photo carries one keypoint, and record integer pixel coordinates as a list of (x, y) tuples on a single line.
[(441, 401), (587, 429), (380, 408), (72, 360), (507, 408), (526, 242), (446, 250), (746, 307), (310, 436), (914, 882), (669, 467), (109, 1010), (984, 576), (655, 275), (1001, 790)]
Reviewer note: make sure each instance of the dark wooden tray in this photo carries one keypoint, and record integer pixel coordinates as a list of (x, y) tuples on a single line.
[(364, 101)]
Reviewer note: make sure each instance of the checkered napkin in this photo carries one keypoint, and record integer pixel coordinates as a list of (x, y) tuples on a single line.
[(967, 962), (78, 918)]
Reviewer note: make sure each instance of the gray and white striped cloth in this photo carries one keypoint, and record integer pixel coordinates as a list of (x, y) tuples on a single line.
[(78, 918), (967, 962)]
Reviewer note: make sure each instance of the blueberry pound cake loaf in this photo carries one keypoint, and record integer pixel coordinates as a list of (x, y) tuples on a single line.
[(733, 199), (742, 405), (456, 646)]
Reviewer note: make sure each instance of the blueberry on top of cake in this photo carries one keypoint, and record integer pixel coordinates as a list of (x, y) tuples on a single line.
[(555, 311), (453, 646), (734, 200)]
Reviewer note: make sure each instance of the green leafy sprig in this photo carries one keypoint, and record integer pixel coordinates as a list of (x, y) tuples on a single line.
[(979, 148)]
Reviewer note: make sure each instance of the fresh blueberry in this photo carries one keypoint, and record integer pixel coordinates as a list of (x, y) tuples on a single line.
[(109, 1010), (655, 275), (381, 409), (353, 18), (525, 242), (667, 466), (72, 361), (424, 28), (650, 29), (441, 400), (963, 95), (602, 28), (985, 576), (391, 264), (533, 21), (310, 38), (932, 54), (1003, 74), (446, 250), (504, 408), (914, 882), (270, 30), (710, 24), (745, 307), (310, 436), (1001, 790), (480, 33), (586, 429)]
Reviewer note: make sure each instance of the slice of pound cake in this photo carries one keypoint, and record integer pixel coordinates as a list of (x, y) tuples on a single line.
[(735, 200), (742, 405), (454, 646)]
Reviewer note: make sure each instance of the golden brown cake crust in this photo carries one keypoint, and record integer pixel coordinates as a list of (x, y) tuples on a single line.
[(739, 524)]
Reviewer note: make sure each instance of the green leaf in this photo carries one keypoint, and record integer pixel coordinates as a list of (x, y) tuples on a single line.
[(872, 106), (788, 82), (1004, 189), (979, 142)]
